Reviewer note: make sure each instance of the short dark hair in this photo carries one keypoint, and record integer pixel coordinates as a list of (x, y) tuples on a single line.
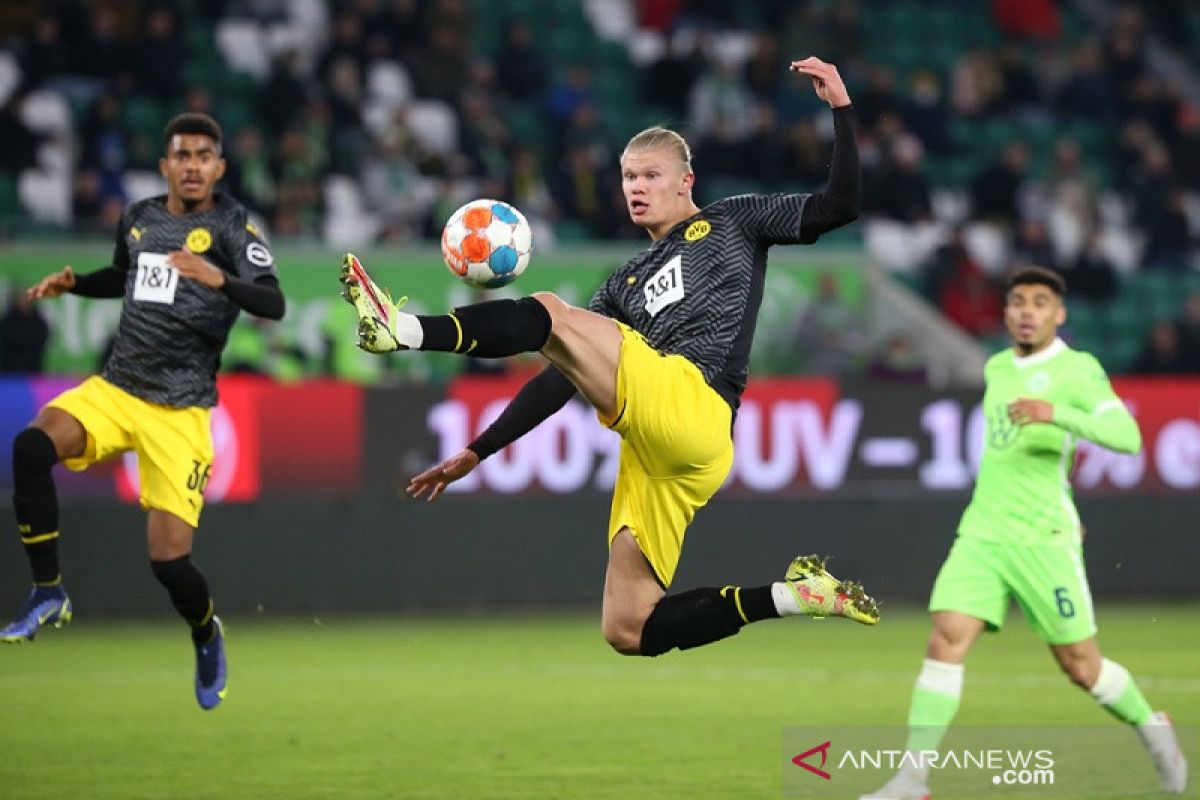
[(195, 124), (1037, 275)]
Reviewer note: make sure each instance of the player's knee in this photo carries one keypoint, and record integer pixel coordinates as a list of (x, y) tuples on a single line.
[(558, 311), (622, 638), (945, 645), (33, 451), (1080, 672)]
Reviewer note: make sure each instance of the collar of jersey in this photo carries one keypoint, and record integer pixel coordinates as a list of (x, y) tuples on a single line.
[(1053, 349)]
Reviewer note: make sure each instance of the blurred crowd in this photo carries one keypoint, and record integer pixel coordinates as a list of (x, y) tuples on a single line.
[(994, 132)]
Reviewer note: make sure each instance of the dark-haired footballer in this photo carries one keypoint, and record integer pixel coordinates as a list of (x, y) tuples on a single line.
[(185, 263), (1020, 538), (662, 354)]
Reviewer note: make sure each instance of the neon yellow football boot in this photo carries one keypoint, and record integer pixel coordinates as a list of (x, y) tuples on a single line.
[(819, 594), (375, 308)]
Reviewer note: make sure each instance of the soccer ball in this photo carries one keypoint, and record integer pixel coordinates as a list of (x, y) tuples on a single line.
[(487, 243)]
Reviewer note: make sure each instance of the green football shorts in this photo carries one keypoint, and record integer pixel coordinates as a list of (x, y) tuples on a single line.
[(1048, 582)]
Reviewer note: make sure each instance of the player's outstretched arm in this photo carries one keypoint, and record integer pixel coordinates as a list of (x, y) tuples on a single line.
[(1109, 424), (53, 285), (838, 202), (262, 298), (106, 282), (433, 481), (544, 394), (826, 81)]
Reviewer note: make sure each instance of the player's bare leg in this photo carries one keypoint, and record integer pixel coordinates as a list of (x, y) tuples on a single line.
[(630, 594), (53, 436), (586, 347), (169, 541), (1114, 688)]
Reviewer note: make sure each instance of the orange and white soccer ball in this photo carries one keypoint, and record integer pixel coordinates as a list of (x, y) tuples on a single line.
[(487, 243)]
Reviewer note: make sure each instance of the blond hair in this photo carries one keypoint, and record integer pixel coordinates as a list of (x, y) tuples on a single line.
[(659, 137)]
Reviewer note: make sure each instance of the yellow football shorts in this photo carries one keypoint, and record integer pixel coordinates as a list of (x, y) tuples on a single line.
[(676, 449), (173, 445)]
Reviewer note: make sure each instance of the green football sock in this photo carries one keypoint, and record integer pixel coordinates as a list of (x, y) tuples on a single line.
[(1115, 690), (934, 703)]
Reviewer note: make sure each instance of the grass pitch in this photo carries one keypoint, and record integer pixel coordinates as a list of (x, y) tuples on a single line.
[(512, 707)]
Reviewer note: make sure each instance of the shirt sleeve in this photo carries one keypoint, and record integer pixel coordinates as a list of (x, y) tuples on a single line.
[(251, 255), (542, 396), (602, 303), (1097, 413), (108, 281)]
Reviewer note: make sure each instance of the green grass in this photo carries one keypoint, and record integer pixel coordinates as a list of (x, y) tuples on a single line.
[(526, 707)]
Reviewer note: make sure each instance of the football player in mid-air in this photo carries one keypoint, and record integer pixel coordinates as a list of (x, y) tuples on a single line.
[(1020, 537), (661, 353), (185, 263)]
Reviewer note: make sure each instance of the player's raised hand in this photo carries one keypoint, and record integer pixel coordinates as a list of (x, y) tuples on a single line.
[(1023, 411), (826, 81), (434, 480), (191, 265), (54, 285)]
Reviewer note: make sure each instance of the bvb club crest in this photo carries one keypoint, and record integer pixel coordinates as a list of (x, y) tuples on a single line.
[(199, 240)]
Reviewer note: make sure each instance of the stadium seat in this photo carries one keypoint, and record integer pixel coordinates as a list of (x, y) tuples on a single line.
[(48, 113), (46, 196), (388, 83), (140, 184), (10, 74), (434, 126), (243, 47)]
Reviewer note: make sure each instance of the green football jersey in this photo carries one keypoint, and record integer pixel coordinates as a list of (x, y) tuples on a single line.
[(1023, 491)]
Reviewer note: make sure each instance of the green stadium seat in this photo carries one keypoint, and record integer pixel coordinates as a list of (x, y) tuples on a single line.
[(142, 114)]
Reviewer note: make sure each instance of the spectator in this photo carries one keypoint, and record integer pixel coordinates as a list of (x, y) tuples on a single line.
[(828, 334), (23, 335), (159, 56), (902, 186), (1028, 19), (1188, 332), (995, 191), (45, 55), (20, 143), (897, 361), (878, 99), (971, 302), (521, 70), (346, 45), (1021, 89), (1092, 276), (1161, 211), (1031, 246), (104, 56), (284, 94), (1186, 149), (977, 84), (1162, 353), (441, 70), (249, 172), (1087, 92), (668, 82), (926, 115)]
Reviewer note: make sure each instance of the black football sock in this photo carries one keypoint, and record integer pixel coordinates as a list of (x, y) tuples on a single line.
[(493, 329), (700, 616), (188, 588), (36, 503)]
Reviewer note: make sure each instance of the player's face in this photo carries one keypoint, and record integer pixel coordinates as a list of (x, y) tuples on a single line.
[(657, 188), (192, 167), (1033, 313)]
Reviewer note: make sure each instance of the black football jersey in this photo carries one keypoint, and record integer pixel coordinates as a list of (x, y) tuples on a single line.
[(172, 330), (696, 291)]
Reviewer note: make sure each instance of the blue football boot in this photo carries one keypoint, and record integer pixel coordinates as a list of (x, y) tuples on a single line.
[(46, 605), (211, 673)]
